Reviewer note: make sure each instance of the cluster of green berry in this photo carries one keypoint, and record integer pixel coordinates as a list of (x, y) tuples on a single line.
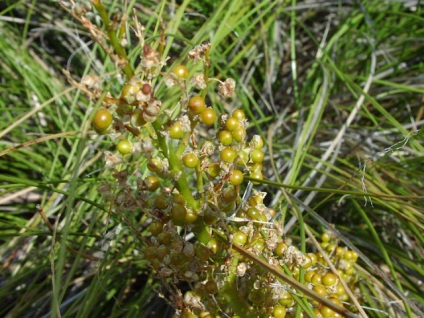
[(188, 186), (193, 225)]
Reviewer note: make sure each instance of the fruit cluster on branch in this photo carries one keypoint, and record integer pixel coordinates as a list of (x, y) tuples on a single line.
[(187, 183)]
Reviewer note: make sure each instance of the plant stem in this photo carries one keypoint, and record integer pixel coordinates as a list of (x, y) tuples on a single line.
[(113, 39)]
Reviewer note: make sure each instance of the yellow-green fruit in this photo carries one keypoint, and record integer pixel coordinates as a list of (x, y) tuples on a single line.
[(279, 312), (190, 160), (124, 147), (102, 120), (329, 279), (228, 154), (196, 104), (208, 116), (236, 177), (240, 238), (152, 183), (176, 130), (180, 71)]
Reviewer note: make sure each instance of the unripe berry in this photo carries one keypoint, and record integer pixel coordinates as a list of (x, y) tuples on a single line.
[(236, 177), (196, 104), (178, 214), (279, 312), (176, 130), (213, 170), (208, 116), (225, 137), (239, 134), (232, 124), (190, 160), (102, 120), (151, 183), (228, 154), (238, 114), (124, 147), (180, 71), (257, 156), (240, 238), (329, 279)]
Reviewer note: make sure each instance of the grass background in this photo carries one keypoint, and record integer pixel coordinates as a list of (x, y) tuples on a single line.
[(334, 87)]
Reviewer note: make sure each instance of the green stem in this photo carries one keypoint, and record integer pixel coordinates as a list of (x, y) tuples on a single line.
[(113, 39), (206, 73)]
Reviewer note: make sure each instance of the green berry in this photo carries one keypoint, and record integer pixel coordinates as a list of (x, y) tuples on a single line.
[(257, 156), (329, 279), (152, 183), (228, 155), (239, 134), (178, 214), (236, 177), (238, 114), (180, 71), (239, 238), (102, 120), (208, 116), (190, 160), (232, 124), (225, 137), (279, 312), (196, 104), (176, 131), (124, 147)]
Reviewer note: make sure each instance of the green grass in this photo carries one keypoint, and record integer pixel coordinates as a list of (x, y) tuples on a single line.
[(334, 89)]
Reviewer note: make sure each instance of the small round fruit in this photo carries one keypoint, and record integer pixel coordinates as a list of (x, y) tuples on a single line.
[(239, 238), (190, 160), (256, 175), (229, 195), (257, 142), (178, 214), (279, 312), (286, 299), (180, 71), (214, 169), (102, 120), (329, 279), (196, 104), (308, 275), (316, 279), (152, 183), (242, 158), (214, 246), (225, 137), (238, 114), (156, 228), (236, 177), (146, 89), (350, 255), (202, 252), (176, 131), (320, 290), (211, 287), (208, 116), (232, 124), (280, 249), (228, 154), (124, 147), (191, 216), (239, 134), (257, 156)]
